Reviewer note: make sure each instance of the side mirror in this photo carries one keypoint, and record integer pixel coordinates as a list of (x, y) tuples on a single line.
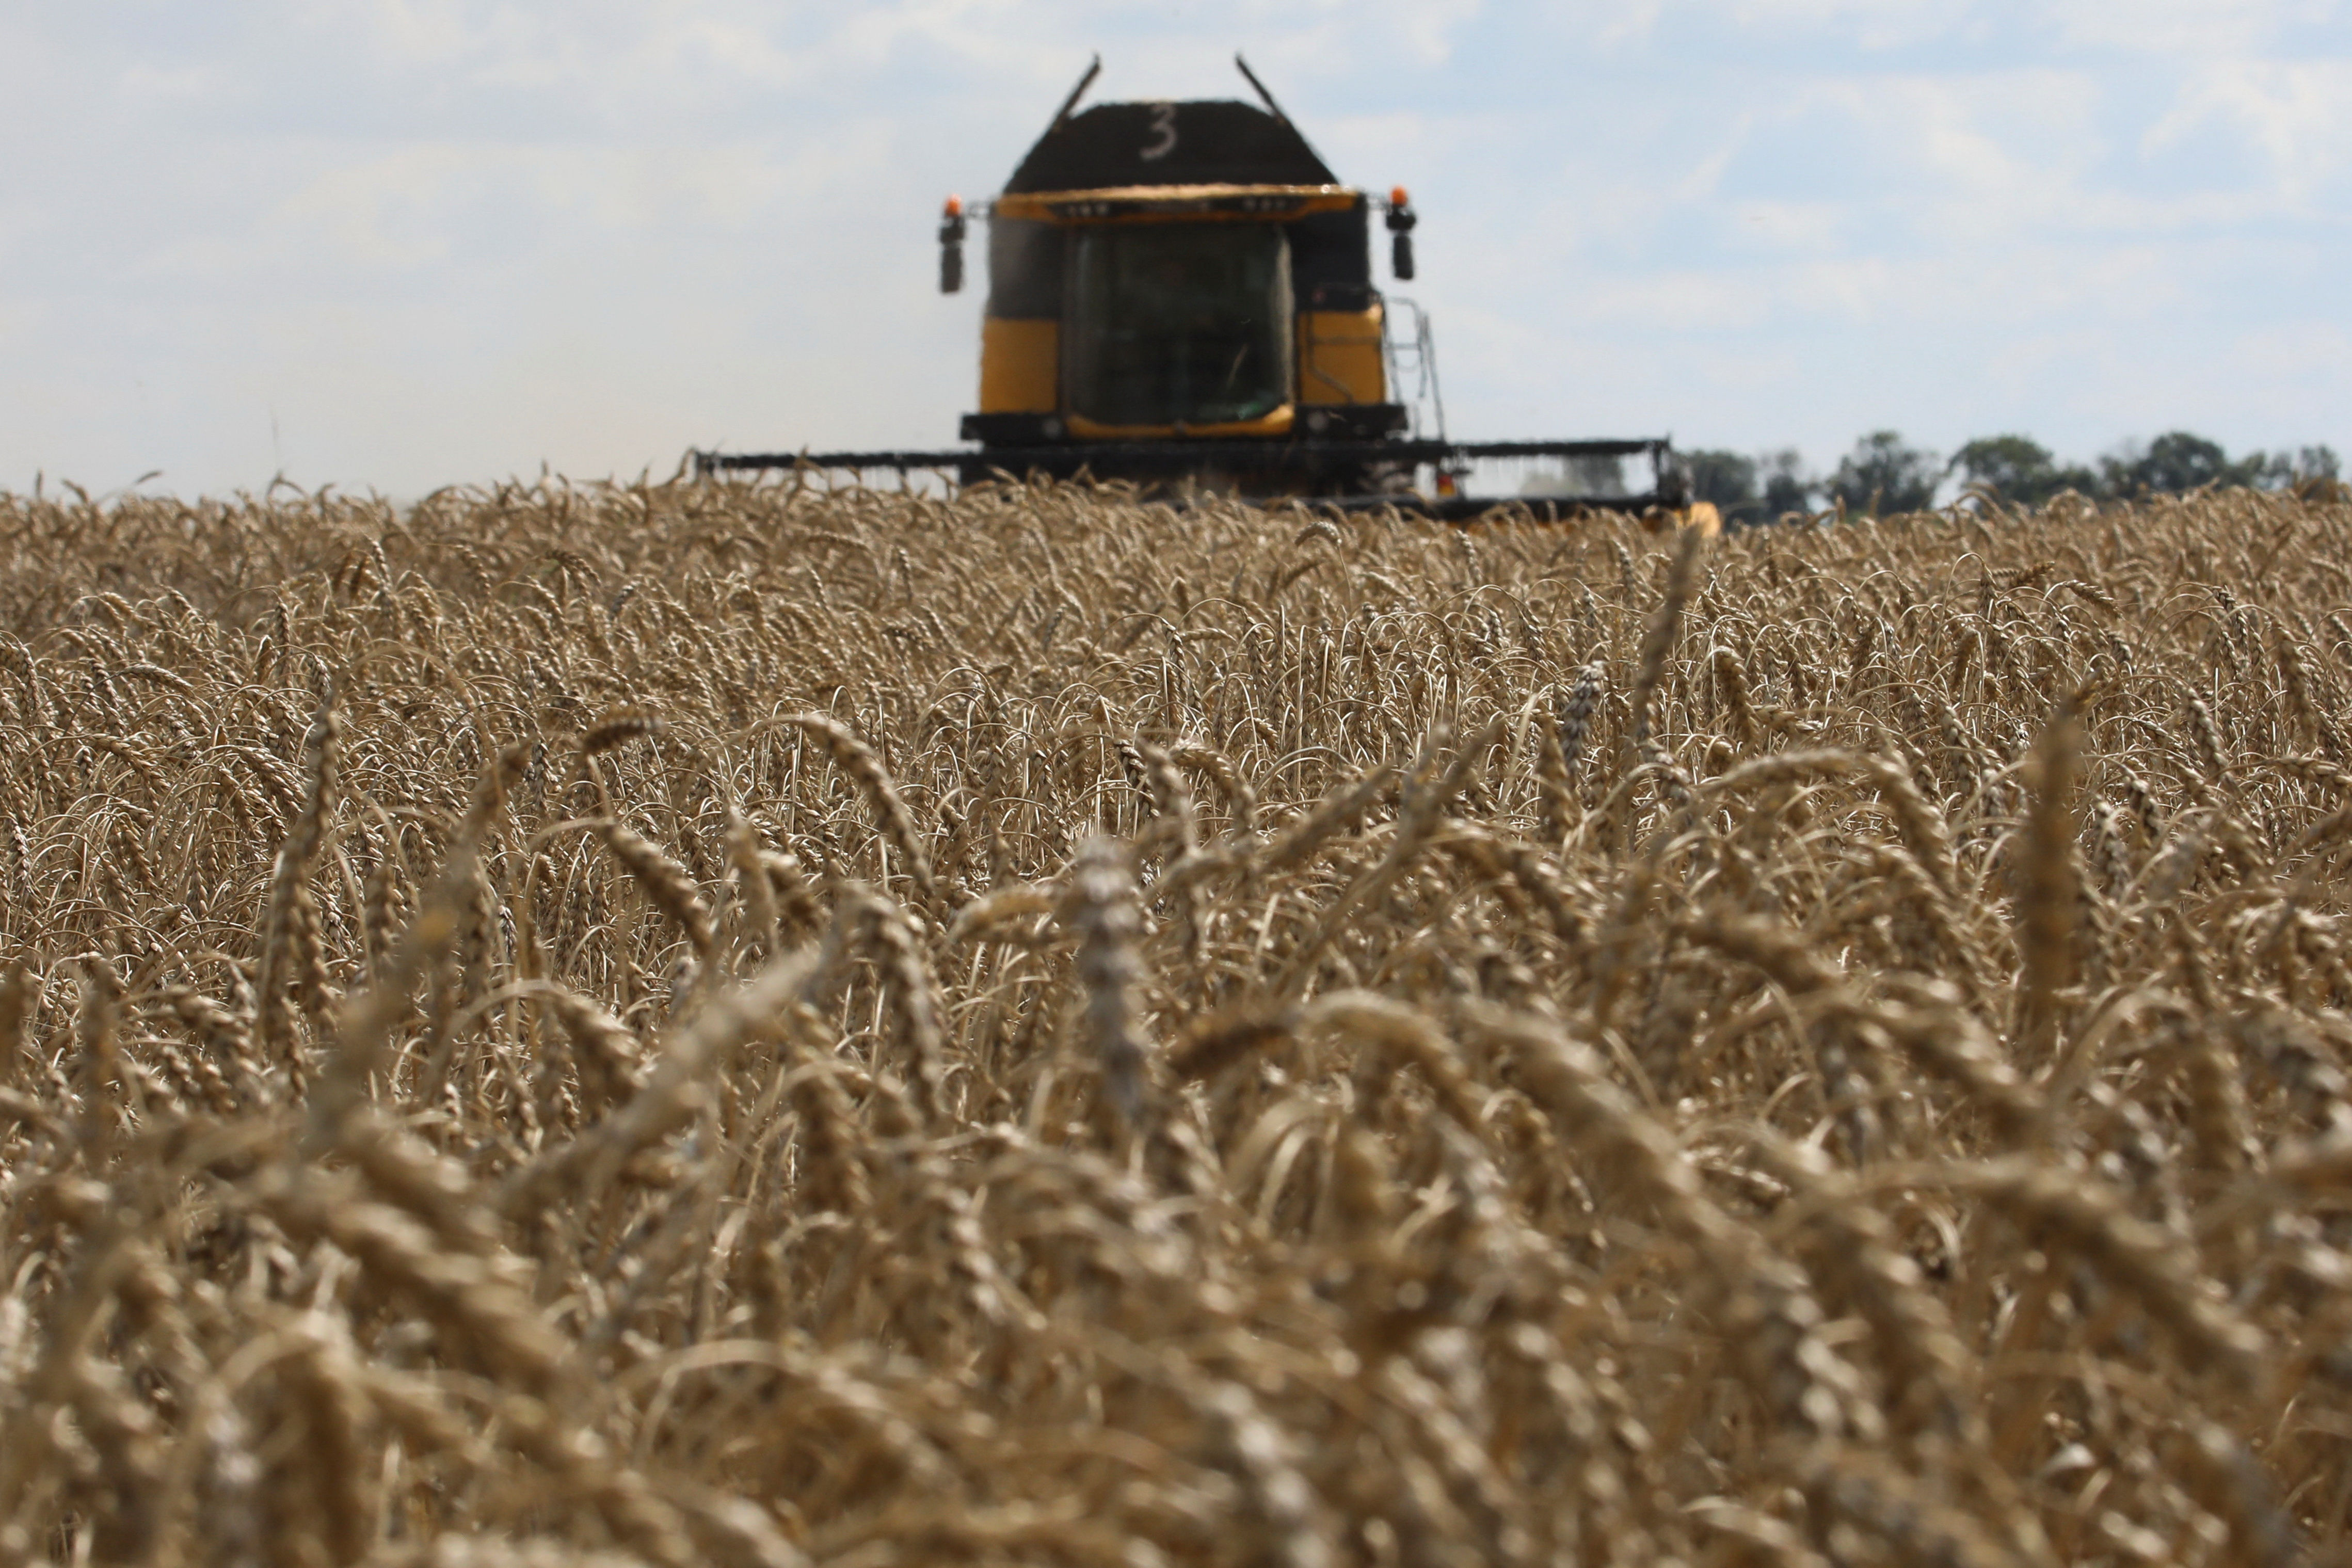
[(952, 246), (1401, 218)]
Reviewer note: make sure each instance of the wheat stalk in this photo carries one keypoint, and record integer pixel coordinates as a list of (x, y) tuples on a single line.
[(1239, 1085)]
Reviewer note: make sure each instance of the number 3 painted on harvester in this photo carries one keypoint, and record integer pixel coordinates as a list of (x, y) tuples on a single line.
[(1163, 121)]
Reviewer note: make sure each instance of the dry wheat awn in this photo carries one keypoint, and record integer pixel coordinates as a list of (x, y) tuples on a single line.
[(625, 1026)]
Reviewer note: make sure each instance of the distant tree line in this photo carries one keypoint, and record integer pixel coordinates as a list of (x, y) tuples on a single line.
[(1884, 474)]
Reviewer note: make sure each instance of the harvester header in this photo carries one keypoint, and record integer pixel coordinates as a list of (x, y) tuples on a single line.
[(1182, 294)]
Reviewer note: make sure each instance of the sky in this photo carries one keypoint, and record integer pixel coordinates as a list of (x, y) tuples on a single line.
[(395, 244)]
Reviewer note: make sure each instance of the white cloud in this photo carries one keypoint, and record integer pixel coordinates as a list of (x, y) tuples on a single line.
[(446, 239), (2297, 114), (2188, 29), (1873, 25), (1792, 225)]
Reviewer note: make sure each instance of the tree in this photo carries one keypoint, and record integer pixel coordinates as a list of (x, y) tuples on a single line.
[(2172, 463), (1883, 475), (1787, 487), (2178, 461), (1727, 481), (2019, 470), (2287, 470), (2313, 475)]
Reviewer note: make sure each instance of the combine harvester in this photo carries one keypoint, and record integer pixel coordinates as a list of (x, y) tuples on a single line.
[(1182, 295)]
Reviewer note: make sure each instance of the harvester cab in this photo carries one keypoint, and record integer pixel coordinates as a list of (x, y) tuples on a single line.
[(1182, 294), (1179, 272)]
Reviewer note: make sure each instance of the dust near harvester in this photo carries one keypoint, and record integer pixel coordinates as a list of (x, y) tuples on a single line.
[(744, 1025)]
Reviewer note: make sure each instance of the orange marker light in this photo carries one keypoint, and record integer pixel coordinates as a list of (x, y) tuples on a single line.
[(1399, 198), (955, 206)]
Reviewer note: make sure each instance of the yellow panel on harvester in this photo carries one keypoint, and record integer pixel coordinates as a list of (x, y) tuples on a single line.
[(1339, 357), (1020, 365)]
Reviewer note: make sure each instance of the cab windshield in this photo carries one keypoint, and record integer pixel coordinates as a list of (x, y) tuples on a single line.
[(1178, 323)]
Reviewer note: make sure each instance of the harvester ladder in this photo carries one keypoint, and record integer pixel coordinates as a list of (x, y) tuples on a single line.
[(1413, 359)]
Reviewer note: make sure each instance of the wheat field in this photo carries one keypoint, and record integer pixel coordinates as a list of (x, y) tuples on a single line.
[(752, 1026)]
